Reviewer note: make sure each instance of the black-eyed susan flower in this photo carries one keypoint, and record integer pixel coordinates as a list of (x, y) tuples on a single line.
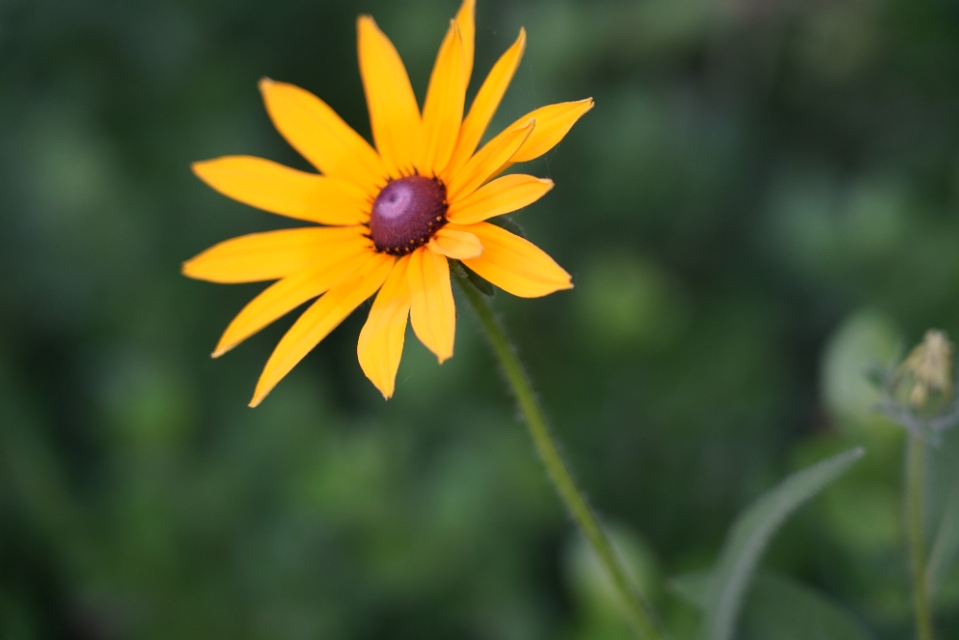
[(387, 219)]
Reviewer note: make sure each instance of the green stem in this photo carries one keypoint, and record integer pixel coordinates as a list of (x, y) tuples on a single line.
[(639, 612), (915, 489)]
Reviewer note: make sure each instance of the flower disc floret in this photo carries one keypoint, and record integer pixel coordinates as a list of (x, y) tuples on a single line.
[(406, 214)]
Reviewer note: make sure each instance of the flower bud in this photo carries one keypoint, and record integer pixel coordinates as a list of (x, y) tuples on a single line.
[(927, 370)]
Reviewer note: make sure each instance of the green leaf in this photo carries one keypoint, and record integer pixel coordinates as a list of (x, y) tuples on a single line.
[(751, 533), (693, 587), (945, 549), (482, 284), (509, 224), (457, 268), (478, 282), (779, 608)]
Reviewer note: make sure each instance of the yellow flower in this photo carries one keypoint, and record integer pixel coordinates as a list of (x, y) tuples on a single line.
[(388, 219)]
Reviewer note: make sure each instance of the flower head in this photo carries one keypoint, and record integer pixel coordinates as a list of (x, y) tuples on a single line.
[(387, 220), (917, 393), (928, 369)]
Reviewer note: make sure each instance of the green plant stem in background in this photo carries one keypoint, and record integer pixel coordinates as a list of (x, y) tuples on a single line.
[(639, 612), (915, 534)]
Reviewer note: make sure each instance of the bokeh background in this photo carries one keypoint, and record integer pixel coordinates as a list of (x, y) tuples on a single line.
[(762, 203)]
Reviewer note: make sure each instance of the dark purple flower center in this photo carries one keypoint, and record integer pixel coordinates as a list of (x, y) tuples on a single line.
[(407, 213)]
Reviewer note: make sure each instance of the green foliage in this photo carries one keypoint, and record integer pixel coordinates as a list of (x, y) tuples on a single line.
[(945, 547), (751, 533), (598, 604), (480, 283), (783, 609), (864, 340), (754, 176), (779, 608)]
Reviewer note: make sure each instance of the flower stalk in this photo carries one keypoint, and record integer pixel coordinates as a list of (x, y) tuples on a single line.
[(915, 533), (918, 394), (638, 611)]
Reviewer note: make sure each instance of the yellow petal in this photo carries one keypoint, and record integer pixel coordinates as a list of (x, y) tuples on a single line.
[(466, 18), (381, 341), (443, 109), (274, 254), (282, 297), (515, 265), (322, 317), (552, 124), (489, 161), (321, 136), (456, 244), (485, 103), (394, 114), (500, 196), (432, 312), (272, 187)]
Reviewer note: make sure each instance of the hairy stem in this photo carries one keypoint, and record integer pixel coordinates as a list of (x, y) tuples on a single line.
[(639, 612), (915, 534)]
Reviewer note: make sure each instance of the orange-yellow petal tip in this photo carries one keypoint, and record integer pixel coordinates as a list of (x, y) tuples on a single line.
[(220, 349), (527, 126), (467, 10), (258, 396), (521, 41), (261, 393), (265, 83), (455, 26), (187, 269), (199, 168)]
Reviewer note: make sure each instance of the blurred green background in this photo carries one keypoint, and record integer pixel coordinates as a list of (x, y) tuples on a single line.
[(762, 203)]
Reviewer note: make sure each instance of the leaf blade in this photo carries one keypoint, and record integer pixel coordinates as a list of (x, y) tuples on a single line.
[(779, 608), (945, 548), (750, 534)]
